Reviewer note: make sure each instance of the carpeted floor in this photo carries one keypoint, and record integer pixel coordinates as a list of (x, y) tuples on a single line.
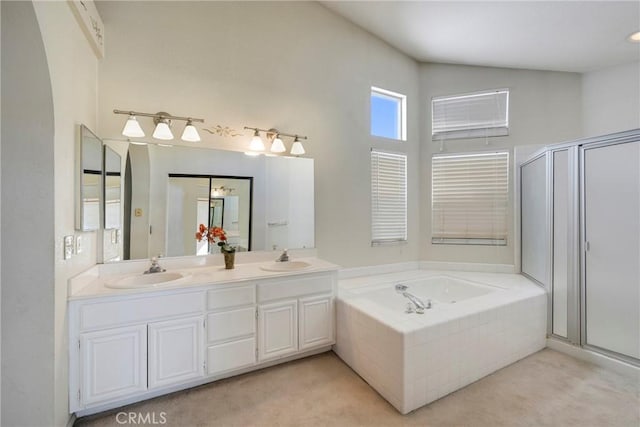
[(545, 389)]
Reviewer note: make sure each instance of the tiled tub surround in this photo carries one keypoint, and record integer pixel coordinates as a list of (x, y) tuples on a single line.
[(413, 359)]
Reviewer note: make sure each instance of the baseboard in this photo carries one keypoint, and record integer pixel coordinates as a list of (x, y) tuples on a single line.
[(598, 359)]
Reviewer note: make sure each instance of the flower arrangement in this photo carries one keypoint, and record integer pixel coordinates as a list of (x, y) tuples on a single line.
[(213, 234)]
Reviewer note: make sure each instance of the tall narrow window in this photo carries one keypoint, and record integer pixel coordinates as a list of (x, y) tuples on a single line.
[(470, 197), (471, 115), (388, 197), (388, 114)]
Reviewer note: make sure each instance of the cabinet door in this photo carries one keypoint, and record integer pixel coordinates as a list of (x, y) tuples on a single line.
[(316, 321), (175, 351), (278, 329), (113, 363)]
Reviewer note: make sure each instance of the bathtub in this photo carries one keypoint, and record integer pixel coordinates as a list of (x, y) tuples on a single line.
[(477, 324)]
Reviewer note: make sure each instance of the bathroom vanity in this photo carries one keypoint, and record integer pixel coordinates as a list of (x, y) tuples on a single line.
[(129, 342)]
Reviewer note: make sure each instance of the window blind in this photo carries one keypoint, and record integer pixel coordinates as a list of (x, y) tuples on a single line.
[(388, 197), (471, 115), (470, 196)]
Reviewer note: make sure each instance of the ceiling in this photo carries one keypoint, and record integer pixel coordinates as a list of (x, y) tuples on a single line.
[(576, 36)]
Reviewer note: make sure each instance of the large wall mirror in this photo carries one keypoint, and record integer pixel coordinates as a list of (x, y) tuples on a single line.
[(89, 181), (264, 203)]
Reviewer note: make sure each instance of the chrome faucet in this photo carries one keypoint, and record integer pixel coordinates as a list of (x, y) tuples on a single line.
[(420, 306), (284, 257), (155, 267)]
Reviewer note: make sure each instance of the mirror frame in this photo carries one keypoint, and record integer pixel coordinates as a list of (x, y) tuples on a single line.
[(211, 178), (80, 225)]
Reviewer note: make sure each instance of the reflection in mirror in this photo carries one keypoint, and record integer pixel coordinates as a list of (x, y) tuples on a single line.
[(112, 204), (89, 199), (213, 201), (276, 211)]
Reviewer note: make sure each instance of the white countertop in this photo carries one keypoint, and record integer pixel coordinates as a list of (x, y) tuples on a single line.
[(91, 283)]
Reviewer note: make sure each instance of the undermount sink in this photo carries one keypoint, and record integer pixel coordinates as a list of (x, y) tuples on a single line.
[(146, 280), (286, 266)]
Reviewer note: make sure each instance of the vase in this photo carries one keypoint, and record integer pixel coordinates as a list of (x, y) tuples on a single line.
[(229, 259)]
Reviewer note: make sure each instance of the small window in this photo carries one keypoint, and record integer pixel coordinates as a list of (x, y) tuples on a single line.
[(470, 197), (388, 197), (388, 114), (472, 115)]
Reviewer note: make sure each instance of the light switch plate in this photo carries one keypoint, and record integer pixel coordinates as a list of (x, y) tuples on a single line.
[(79, 244), (68, 247)]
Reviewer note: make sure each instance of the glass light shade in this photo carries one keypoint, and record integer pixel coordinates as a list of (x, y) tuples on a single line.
[(162, 131), (132, 128), (277, 146), (190, 133), (256, 143), (297, 149)]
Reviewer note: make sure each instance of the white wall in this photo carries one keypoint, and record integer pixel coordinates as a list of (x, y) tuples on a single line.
[(611, 99), (27, 222), (73, 72), (291, 65), (544, 107)]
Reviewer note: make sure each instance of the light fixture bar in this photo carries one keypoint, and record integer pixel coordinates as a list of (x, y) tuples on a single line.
[(156, 115), (273, 131)]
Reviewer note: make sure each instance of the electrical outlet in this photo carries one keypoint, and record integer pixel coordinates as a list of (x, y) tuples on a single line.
[(79, 244), (68, 247)]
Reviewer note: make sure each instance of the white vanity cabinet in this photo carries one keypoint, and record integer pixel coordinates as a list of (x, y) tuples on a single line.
[(231, 328), (126, 348), (316, 326), (175, 351), (113, 363), (289, 325), (278, 326)]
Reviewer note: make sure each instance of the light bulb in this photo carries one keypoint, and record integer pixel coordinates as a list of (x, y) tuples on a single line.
[(277, 146), (132, 128), (297, 149), (162, 131), (190, 133), (256, 143)]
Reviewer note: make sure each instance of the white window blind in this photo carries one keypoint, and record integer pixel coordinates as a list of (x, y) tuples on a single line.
[(470, 195), (388, 197), (472, 115)]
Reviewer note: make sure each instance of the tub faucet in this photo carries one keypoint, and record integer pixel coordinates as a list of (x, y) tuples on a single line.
[(417, 302), (284, 257), (155, 267)]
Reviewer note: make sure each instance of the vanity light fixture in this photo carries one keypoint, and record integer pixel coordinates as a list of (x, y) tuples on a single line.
[(190, 132), (132, 128), (256, 143), (297, 149), (256, 146), (162, 130), (635, 37), (277, 146)]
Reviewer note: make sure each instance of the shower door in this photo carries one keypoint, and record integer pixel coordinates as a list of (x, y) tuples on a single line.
[(611, 248)]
